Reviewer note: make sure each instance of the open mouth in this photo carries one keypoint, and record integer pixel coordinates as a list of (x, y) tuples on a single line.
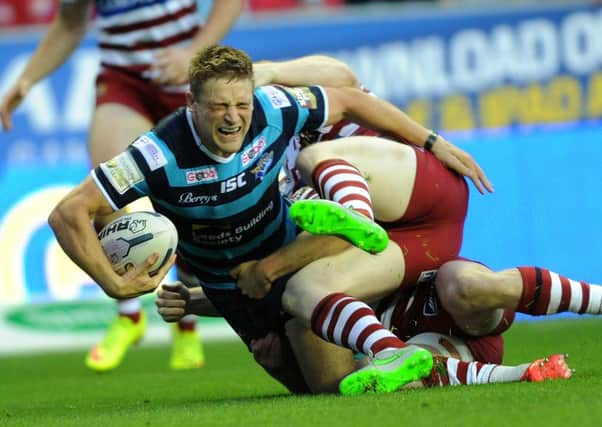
[(229, 130)]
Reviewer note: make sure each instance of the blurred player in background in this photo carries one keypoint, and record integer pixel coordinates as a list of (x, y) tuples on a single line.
[(145, 49)]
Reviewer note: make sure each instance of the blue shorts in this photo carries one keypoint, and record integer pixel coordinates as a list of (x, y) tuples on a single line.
[(251, 318)]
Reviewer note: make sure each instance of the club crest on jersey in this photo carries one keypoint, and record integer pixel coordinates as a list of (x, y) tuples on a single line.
[(276, 97), (201, 175), (151, 151), (252, 151), (304, 97), (263, 165), (122, 172)]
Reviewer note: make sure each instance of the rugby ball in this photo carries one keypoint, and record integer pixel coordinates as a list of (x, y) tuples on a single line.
[(130, 239)]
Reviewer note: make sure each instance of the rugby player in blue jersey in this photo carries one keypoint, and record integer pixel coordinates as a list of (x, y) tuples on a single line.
[(416, 315), (229, 144)]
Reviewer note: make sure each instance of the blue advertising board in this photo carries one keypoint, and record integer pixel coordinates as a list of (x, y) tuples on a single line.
[(456, 69), (546, 205)]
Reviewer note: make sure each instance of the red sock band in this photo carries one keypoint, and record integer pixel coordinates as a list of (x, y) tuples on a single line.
[(135, 317)]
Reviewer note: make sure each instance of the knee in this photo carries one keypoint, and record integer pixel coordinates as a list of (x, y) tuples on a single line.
[(301, 297), (462, 289), (311, 156), (290, 298)]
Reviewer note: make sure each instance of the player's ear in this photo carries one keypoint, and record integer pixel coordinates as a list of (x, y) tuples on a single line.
[(190, 101)]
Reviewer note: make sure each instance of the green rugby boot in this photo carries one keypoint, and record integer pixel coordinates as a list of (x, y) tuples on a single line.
[(121, 335), (328, 217), (388, 372), (187, 350)]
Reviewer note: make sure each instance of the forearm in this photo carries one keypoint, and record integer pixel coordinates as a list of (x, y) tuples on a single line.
[(301, 252), (200, 305), (377, 114), (221, 19), (305, 71), (63, 36), (71, 223)]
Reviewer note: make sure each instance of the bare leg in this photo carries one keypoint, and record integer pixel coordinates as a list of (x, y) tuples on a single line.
[(323, 364), (388, 167), (314, 296), (114, 127), (476, 296), (354, 272)]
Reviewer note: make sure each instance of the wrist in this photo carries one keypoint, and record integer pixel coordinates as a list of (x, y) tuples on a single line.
[(114, 286), (431, 140), (267, 269), (24, 84)]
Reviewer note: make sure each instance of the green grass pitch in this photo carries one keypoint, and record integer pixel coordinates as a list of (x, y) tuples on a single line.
[(57, 390)]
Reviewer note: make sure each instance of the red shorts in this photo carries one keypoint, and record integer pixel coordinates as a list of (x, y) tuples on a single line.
[(430, 232), (419, 310), (142, 96)]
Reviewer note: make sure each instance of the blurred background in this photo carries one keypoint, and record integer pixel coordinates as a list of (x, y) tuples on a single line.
[(518, 84)]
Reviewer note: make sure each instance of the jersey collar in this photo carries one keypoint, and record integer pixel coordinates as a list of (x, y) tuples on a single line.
[(197, 140)]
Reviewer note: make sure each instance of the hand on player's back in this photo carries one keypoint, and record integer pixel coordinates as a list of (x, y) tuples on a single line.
[(251, 279)]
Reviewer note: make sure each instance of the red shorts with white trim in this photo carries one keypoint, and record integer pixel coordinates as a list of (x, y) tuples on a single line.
[(141, 95), (430, 231)]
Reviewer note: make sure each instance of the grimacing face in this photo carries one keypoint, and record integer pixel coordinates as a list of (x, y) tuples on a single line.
[(222, 115)]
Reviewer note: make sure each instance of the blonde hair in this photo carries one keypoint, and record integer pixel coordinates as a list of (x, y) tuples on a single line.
[(218, 62)]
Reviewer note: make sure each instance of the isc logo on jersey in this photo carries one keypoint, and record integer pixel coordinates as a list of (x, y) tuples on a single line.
[(130, 239), (233, 183)]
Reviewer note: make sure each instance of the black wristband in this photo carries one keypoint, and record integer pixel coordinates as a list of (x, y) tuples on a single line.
[(430, 141)]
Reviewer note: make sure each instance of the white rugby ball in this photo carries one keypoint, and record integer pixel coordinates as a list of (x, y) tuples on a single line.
[(130, 239)]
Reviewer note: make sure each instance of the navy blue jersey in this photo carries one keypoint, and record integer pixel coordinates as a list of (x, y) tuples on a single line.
[(227, 211)]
